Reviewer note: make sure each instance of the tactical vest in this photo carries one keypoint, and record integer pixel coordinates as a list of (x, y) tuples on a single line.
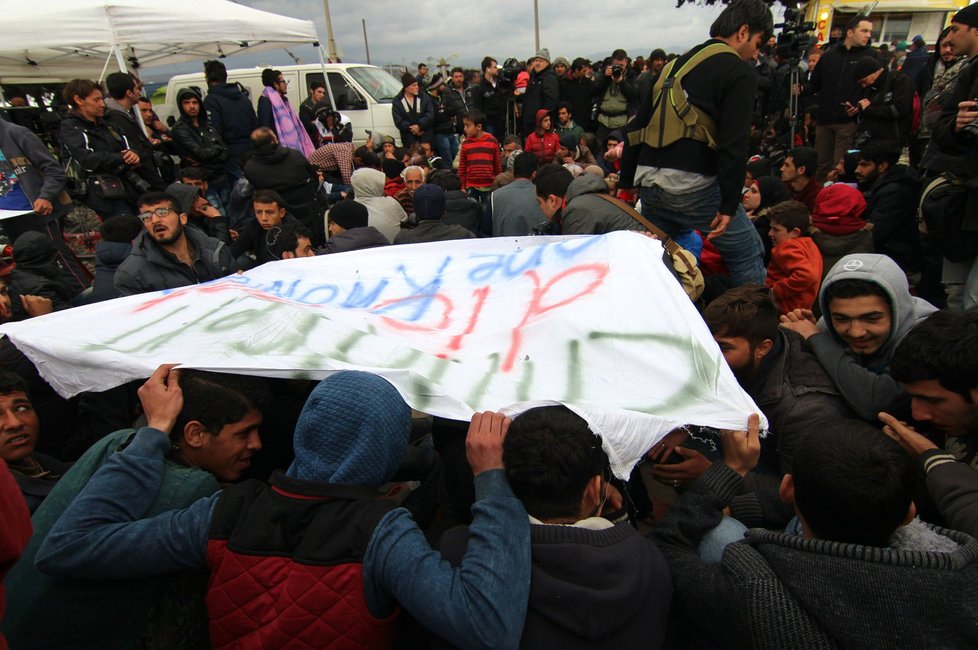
[(673, 116)]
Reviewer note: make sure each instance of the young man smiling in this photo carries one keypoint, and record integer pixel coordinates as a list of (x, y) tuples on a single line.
[(168, 254), (867, 310)]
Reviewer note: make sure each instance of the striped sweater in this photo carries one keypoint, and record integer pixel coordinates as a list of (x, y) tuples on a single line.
[(479, 161)]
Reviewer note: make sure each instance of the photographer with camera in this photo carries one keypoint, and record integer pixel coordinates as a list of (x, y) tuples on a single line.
[(616, 94), (123, 95), (96, 156), (832, 80)]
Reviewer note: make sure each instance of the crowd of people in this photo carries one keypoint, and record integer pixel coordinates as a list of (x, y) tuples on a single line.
[(815, 204)]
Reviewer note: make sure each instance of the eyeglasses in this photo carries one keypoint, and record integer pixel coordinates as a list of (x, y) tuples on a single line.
[(159, 212)]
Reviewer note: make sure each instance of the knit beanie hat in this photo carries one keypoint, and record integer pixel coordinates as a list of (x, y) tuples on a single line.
[(560, 60), (542, 53), (429, 202), (568, 141), (967, 16), (436, 82), (349, 214), (184, 194), (866, 66), (839, 210), (353, 430), (407, 79)]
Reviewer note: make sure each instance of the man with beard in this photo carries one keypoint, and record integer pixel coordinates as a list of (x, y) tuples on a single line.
[(777, 369), (168, 255), (891, 190)]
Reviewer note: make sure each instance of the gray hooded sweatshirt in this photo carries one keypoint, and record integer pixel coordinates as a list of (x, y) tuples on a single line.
[(383, 212), (862, 380)]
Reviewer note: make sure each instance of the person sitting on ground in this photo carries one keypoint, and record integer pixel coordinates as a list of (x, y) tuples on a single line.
[(385, 214), (351, 437), (287, 172), (579, 205), (252, 242), (543, 142), (867, 310), (287, 242), (111, 251), (798, 173), (840, 229), (795, 271), (514, 208), (891, 190), (168, 254), (594, 583), (852, 490), (349, 228), (36, 473), (413, 177), (214, 438), (37, 273), (200, 213), (429, 206), (777, 369), (936, 364), (15, 533), (460, 210), (763, 193)]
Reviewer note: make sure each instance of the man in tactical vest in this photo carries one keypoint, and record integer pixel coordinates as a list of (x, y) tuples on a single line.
[(688, 143)]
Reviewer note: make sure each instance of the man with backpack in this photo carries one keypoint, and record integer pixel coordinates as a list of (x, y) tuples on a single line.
[(688, 143)]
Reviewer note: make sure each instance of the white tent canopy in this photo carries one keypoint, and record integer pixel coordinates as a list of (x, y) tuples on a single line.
[(77, 38)]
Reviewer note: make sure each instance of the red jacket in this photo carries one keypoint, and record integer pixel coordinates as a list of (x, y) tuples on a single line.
[(274, 545), (15, 530), (795, 273), (479, 161)]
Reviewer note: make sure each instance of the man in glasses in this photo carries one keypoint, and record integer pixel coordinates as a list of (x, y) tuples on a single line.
[(168, 254)]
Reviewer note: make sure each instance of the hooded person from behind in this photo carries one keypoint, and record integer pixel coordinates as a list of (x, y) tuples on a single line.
[(38, 273), (348, 229), (840, 227), (384, 213), (862, 378), (587, 214), (118, 234)]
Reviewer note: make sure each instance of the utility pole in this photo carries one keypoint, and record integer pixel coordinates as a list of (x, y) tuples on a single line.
[(536, 23), (330, 41), (366, 45)]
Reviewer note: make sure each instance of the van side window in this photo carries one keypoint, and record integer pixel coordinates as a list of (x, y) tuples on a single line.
[(346, 96)]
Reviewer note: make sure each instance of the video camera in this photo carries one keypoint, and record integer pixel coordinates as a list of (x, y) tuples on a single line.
[(797, 36), (509, 70)]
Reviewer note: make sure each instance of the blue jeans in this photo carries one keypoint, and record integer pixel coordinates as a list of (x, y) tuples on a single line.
[(446, 144), (728, 531), (740, 246)]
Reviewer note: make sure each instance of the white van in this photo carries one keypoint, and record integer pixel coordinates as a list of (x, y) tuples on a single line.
[(363, 93)]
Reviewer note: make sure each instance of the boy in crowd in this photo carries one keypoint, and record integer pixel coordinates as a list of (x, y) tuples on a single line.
[(795, 270), (253, 241), (479, 160), (867, 310)]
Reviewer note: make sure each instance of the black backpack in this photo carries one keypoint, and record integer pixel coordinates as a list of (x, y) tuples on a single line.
[(947, 217)]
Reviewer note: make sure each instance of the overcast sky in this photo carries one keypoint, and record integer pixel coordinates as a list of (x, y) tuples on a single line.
[(408, 31)]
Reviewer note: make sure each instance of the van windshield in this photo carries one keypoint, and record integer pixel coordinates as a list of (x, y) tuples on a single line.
[(378, 83)]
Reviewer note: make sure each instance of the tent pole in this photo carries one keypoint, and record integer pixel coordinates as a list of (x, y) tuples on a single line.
[(121, 60), (329, 86)]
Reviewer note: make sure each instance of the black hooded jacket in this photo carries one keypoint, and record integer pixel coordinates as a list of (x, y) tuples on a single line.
[(230, 112), (37, 274), (891, 206), (888, 116), (200, 145)]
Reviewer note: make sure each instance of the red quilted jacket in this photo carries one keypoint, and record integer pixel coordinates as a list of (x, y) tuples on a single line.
[(286, 567)]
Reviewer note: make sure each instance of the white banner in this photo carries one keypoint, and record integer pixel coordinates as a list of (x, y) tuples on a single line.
[(596, 323)]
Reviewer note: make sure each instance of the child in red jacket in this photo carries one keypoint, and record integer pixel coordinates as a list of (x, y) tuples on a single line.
[(543, 143), (479, 161), (795, 271)]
